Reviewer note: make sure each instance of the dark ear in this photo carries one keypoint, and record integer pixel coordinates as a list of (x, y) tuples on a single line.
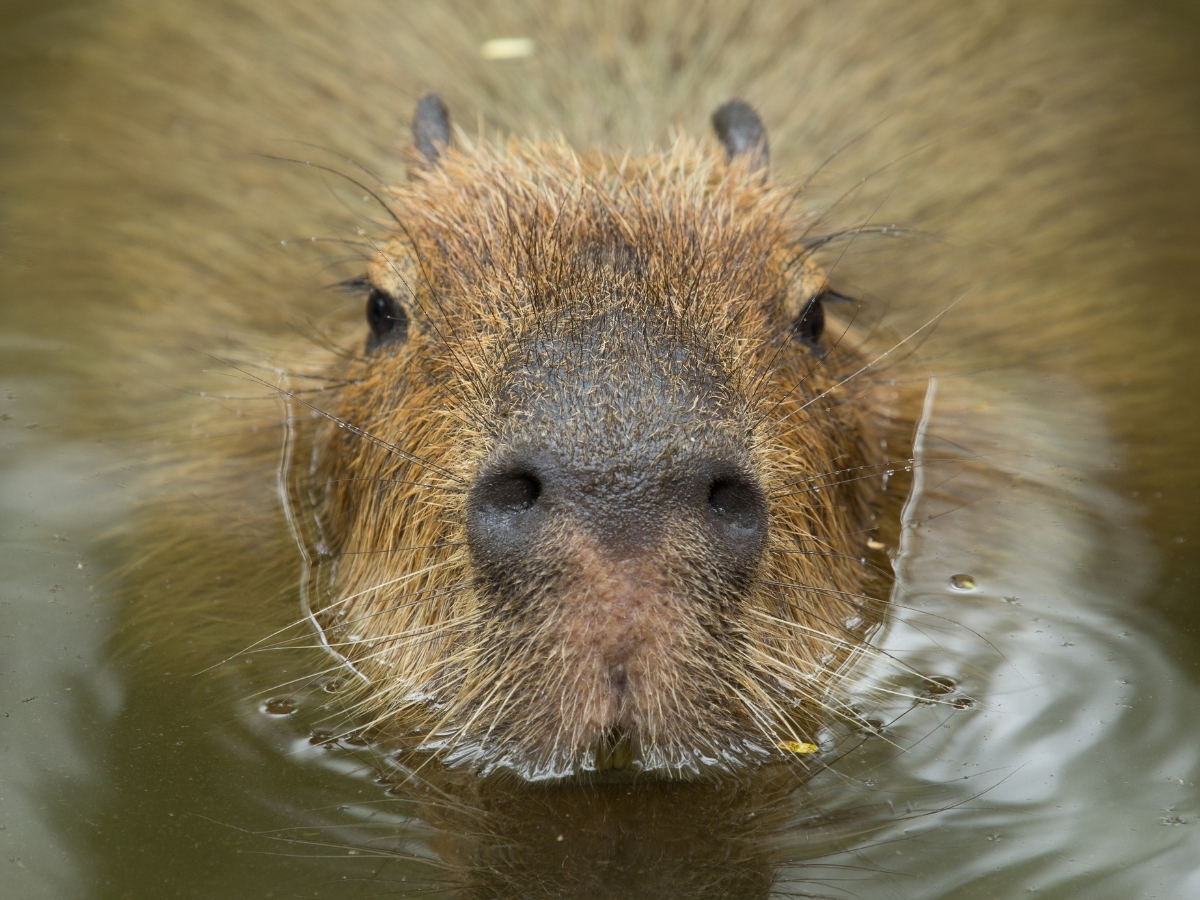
[(742, 133), (431, 128)]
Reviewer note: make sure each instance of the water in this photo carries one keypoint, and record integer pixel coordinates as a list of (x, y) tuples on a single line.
[(1055, 755)]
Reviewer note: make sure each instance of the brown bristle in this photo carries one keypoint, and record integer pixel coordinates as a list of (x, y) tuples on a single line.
[(502, 246)]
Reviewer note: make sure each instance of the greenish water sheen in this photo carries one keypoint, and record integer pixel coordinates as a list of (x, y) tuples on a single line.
[(1032, 730)]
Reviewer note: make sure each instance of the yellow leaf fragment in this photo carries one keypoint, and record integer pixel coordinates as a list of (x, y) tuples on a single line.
[(798, 747), (507, 48)]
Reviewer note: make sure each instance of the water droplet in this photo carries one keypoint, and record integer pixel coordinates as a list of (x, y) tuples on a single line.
[(320, 736), (360, 738), (962, 582), (333, 685), (280, 706), (940, 684)]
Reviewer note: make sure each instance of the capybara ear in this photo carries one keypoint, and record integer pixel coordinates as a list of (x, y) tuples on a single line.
[(742, 133), (431, 128)]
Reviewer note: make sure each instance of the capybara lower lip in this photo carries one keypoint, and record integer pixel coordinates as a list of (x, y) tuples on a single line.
[(608, 446)]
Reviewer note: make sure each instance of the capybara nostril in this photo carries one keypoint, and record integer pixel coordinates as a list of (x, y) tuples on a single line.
[(622, 508), (508, 492), (738, 505), (503, 512)]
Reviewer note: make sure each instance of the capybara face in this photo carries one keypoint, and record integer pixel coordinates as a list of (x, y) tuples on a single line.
[(597, 492)]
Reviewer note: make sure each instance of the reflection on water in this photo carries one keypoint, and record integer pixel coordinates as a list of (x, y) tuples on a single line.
[(55, 698), (1027, 726)]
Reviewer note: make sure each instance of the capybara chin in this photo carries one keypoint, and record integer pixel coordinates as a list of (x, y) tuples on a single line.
[(597, 493)]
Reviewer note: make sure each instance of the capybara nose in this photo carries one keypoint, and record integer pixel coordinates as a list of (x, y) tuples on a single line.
[(528, 498)]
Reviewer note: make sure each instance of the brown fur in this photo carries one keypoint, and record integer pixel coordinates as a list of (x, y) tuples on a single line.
[(498, 244)]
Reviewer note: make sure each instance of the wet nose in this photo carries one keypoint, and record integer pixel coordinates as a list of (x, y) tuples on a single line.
[(707, 499)]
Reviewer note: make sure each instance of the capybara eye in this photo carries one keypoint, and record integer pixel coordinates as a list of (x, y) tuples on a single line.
[(388, 321), (737, 503), (810, 324)]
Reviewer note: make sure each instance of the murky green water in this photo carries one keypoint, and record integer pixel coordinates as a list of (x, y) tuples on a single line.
[(1058, 754)]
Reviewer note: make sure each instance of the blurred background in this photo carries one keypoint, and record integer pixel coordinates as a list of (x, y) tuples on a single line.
[(1040, 160)]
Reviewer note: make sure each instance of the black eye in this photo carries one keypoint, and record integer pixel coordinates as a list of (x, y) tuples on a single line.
[(388, 321), (810, 324)]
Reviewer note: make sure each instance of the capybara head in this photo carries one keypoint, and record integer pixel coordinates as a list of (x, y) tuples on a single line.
[(597, 491)]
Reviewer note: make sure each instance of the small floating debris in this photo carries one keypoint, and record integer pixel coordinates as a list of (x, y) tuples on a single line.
[(962, 582), (507, 48), (798, 747)]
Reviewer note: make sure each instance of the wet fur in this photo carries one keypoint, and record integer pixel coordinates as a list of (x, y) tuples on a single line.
[(500, 247)]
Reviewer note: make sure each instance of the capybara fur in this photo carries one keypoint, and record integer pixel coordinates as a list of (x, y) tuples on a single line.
[(599, 489)]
